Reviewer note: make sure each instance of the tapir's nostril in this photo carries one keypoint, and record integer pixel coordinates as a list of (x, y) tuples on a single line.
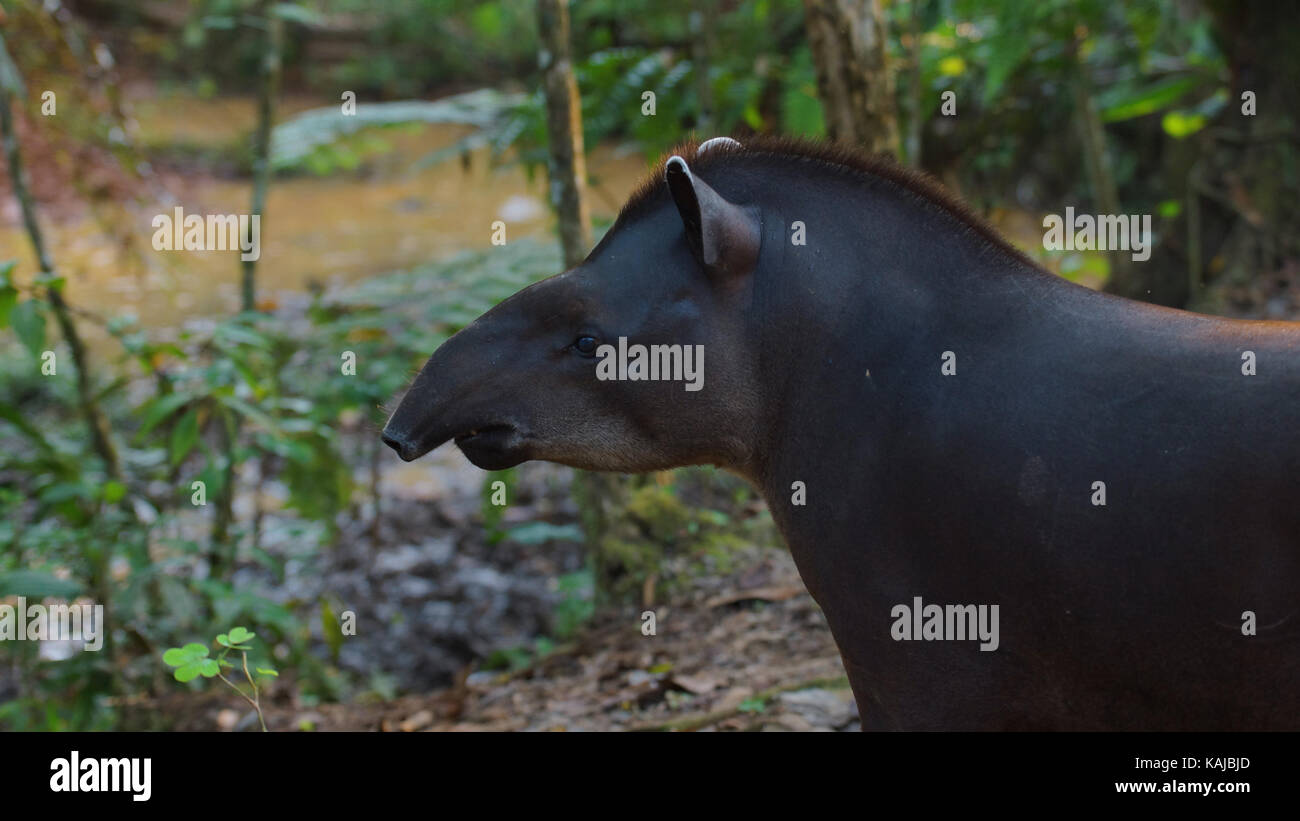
[(395, 443)]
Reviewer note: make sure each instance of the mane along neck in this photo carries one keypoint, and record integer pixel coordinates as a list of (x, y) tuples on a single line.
[(837, 159)]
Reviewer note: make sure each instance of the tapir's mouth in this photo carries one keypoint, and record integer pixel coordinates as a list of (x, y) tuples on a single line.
[(485, 433), (492, 447)]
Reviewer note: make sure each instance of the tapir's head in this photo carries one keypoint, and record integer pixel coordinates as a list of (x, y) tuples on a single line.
[(533, 378)]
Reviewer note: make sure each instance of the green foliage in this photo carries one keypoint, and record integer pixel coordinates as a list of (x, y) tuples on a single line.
[(752, 705), (542, 532), (1014, 67), (760, 73), (11, 81), (670, 528), (576, 605), (37, 584), (769, 83), (1118, 104), (236, 375), (236, 639), (511, 659), (492, 512), (217, 42), (475, 40), (8, 293), (192, 661), (28, 320)]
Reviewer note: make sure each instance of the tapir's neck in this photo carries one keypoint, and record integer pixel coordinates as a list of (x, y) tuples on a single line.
[(858, 285)]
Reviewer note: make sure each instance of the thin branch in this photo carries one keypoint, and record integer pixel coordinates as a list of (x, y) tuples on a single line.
[(90, 410)]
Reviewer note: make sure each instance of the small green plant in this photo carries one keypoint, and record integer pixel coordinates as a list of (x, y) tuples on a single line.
[(192, 661), (752, 705)]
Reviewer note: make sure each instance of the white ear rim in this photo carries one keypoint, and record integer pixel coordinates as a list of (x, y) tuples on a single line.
[(714, 143), (686, 169)]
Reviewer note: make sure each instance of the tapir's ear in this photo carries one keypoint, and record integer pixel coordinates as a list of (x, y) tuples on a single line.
[(724, 237)]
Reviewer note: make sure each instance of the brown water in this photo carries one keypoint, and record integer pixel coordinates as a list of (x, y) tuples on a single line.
[(330, 230)]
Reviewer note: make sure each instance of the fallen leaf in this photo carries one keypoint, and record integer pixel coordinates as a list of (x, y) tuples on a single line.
[(415, 722), (699, 684)]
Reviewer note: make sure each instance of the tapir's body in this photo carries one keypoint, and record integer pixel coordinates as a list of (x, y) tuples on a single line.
[(949, 409)]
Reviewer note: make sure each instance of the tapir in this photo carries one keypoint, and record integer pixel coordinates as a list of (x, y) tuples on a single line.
[(938, 425)]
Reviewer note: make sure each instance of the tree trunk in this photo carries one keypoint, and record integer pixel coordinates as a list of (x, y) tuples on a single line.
[(567, 164), (223, 552), (912, 148), (847, 38), (10, 84), (597, 493), (267, 92), (1248, 184), (1101, 182)]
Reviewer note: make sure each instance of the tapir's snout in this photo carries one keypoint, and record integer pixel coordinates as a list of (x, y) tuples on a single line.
[(405, 449), (461, 393)]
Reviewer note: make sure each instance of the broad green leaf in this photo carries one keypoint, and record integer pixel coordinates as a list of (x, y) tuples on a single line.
[(295, 13), (159, 408), (205, 667), (1008, 46), (19, 420), (236, 639), (47, 280), (952, 66), (1180, 124), (190, 653), (11, 82), (57, 492), (28, 318), (113, 491), (1149, 100), (247, 411), (540, 532), (240, 334), (8, 299), (37, 584), (218, 22), (184, 436), (330, 628)]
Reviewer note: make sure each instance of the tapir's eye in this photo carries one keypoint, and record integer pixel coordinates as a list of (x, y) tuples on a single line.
[(585, 345)]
